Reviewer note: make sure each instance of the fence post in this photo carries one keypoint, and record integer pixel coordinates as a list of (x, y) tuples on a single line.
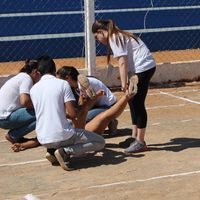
[(90, 48)]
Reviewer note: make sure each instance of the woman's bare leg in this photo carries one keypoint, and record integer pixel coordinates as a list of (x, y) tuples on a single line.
[(101, 121), (84, 106)]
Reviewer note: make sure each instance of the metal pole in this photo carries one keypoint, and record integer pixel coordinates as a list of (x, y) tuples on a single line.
[(90, 47)]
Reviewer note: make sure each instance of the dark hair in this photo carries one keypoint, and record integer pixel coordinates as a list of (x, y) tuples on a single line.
[(111, 27), (46, 65), (68, 70), (29, 66)]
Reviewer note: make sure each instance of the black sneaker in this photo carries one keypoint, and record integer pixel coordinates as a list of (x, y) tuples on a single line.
[(127, 142), (63, 158), (51, 157)]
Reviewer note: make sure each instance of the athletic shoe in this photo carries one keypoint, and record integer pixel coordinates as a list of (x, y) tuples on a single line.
[(127, 142), (112, 127), (51, 157), (63, 158), (132, 88), (85, 85), (136, 147)]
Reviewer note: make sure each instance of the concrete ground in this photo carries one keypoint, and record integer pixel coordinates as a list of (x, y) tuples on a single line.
[(169, 170)]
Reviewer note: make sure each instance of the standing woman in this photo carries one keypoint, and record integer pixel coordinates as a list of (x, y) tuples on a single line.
[(133, 58)]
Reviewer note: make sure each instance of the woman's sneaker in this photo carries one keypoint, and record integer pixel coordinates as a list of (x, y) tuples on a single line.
[(132, 88), (136, 147), (63, 158), (85, 85), (127, 142)]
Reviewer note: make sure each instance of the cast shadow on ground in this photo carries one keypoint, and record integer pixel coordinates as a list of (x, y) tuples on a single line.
[(119, 133), (176, 144), (107, 157)]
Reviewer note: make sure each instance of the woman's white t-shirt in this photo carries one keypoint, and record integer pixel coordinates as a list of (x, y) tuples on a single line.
[(139, 57), (10, 93), (108, 99)]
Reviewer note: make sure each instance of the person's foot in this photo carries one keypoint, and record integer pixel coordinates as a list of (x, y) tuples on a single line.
[(51, 157), (16, 140), (127, 142), (25, 143), (112, 127), (9, 138), (16, 147), (136, 147), (132, 88), (63, 158), (85, 85)]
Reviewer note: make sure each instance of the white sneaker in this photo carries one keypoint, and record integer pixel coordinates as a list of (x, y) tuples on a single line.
[(85, 85), (132, 88)]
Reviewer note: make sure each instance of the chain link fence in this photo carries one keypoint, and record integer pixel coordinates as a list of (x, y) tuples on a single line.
[(170, 29), (32, 28)]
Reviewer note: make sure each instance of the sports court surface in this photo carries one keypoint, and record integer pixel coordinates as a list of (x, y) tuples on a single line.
[(169, 170)]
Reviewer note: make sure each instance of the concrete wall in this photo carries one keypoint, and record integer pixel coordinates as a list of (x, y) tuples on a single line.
[(165, 72)]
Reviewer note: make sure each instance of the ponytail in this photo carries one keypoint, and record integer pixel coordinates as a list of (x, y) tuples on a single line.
[(29, 66), (111, 27)]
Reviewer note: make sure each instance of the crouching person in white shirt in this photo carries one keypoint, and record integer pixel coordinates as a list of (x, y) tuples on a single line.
[(53, 102), (16, 109)]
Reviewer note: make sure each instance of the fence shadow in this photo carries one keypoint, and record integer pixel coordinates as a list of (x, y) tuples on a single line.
[(119, 133), (176, 144)]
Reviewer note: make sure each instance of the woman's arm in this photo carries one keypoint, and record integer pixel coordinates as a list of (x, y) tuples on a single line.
[(123, 71), (25, 100)]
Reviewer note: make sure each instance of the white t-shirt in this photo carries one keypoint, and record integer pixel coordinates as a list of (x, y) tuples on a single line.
[(139, 57), (10, 93), (48, 97), (108, 99)]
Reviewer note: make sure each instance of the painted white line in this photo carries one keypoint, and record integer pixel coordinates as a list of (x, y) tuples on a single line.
[(144, 180), (168, 106), (155, 124), (23, 163), (3, 141), (175, 92), (184, 91), (31, 197), (159, 107), (178, 97), (186, 120)]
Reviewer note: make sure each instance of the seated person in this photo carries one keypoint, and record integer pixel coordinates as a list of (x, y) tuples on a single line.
[(88, 87), (16, 109)]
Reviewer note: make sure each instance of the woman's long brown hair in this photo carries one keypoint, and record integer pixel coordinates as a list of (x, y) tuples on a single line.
[(111, 27)]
